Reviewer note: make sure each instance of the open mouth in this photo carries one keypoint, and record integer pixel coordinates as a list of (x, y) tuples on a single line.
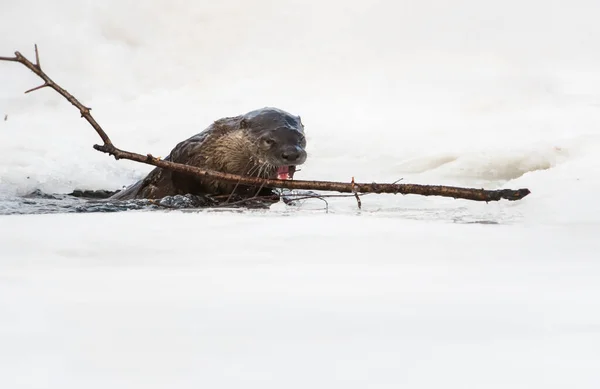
[(286, 172)]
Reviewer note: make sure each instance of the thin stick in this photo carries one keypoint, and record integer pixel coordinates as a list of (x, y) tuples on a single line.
[(36, 88), (358, 202), (354, 188), (37, 57), (37, 69), (424, 190)]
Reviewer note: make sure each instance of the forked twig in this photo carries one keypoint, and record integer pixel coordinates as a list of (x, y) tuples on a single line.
[(37, 69), (354, 188)]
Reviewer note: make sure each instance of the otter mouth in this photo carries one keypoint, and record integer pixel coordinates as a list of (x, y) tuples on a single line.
[(286, 172)]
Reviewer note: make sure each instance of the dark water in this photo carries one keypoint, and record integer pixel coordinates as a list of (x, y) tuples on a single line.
[(96, 201), (38, 202)]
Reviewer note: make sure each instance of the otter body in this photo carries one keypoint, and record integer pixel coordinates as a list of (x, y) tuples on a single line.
[(267, 143)]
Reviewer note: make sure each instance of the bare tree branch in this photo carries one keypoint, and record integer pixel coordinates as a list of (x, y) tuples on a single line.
[(37, 69), (353, 187)]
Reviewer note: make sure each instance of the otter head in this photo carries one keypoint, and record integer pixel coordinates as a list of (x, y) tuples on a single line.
[(279, 139)]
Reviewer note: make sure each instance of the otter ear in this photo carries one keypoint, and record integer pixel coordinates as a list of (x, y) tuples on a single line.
[(244, 123)]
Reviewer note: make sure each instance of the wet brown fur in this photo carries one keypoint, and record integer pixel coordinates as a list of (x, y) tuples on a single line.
[(226, 146)]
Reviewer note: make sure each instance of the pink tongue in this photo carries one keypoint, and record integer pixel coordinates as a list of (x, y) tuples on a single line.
[(283, 173)]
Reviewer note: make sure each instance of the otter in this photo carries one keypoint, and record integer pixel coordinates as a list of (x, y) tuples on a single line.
[(265, 143)]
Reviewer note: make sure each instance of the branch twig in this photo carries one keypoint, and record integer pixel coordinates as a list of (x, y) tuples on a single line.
[(354, 188), (37, 69), (358, 202)]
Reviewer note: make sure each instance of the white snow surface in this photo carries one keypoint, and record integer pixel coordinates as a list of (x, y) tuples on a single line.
[(410, 291)]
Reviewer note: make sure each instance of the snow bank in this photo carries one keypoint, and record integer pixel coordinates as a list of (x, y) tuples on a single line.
[(467, 94)]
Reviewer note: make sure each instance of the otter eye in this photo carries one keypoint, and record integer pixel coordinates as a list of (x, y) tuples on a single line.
[(269, 142)]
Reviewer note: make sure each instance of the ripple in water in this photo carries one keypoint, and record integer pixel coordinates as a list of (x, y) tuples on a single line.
[(309, 202), (39, 202)]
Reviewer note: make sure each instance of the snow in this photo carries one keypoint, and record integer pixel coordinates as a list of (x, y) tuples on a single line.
[(296, 302), (412, 291)]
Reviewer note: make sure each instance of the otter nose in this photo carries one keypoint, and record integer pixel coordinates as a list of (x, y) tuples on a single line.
[(292, 156)]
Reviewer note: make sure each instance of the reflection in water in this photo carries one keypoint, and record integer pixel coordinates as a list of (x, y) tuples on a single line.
[(286, 203), (39, 202)]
